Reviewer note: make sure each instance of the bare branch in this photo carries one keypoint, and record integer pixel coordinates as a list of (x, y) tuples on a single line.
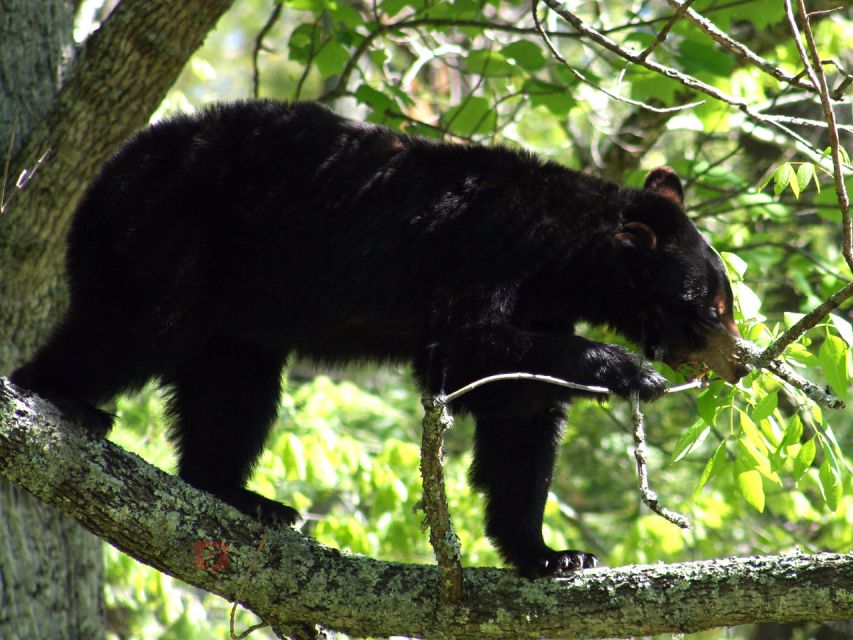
[(804, 324), (450, 397), (814, 68), (650, 498), (442, 537), (674, 74), (752, 355), (739, 48), (589, 82), (662, 35), (259, 45)]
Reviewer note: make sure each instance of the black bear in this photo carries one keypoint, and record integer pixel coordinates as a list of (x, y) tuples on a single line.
[(213, 247)]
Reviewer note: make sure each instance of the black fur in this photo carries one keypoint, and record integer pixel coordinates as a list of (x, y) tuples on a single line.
[(215, 246)]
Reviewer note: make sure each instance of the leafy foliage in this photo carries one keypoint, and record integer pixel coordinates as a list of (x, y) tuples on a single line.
[(759, 467)]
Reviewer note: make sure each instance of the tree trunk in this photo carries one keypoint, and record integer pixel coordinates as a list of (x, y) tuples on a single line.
[(50, 567), (58, 122)]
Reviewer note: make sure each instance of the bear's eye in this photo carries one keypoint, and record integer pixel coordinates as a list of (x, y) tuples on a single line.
[(710, 316)]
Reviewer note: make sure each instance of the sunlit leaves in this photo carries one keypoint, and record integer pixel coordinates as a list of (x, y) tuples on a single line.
[(749, 480), (712, 467), (474, 115), (691, 438), (525, 54), (798, 175)]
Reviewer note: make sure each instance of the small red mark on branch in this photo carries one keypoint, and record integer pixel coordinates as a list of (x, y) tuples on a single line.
[(211, 555)]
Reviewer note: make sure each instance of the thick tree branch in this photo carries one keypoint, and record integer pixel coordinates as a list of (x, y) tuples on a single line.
[(291, 580)]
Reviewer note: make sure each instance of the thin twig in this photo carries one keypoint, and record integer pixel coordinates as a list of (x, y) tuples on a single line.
[(815, 72), (525, 376), (587, 81), (738, 48), (674, 74), (822, 12), (649, 497), (312, 54), (662, 35), (6, 164), (259, 44), (588, 388)]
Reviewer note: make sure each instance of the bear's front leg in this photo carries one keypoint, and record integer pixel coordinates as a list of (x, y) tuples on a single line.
[(514, 454), (519, 422), (480, 351)]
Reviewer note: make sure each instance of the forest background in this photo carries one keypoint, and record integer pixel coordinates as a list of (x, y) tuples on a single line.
[(759, 468)]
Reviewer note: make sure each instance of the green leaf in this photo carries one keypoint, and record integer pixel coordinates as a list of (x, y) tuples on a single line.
[(376, 100), (766, 406), (526, 55), (708, 407), (486, 62), (473, 115), (804, 459), (711, 467), (798, 352), (765, 181), (830, 485), (805, 173), (293, 456), (753, 435), (752, 488), (344, 13), (734, 263), (844, 328), (689, 439), (392, 7), (331, 59), (697, 56), (315, 6), (748, 301), (833, 356), (782, 178), (299, 45), (556, 98), (794, 183), (793, 432)]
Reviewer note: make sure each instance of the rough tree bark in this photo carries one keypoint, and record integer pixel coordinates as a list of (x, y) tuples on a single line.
[(50, 567), (72, 116), (292, 581)]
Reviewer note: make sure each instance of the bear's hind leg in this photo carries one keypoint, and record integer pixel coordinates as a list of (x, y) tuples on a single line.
[(222, 405), (84, 363)]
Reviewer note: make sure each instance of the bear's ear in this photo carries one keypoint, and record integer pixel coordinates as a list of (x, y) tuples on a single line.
[(638, 235), (666, 182)]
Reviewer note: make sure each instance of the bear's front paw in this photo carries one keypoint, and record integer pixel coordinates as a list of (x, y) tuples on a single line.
[(558, 563), (650, 384), (623, 373)]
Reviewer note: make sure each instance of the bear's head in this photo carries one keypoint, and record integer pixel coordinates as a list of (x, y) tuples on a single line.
[(685, 311)]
